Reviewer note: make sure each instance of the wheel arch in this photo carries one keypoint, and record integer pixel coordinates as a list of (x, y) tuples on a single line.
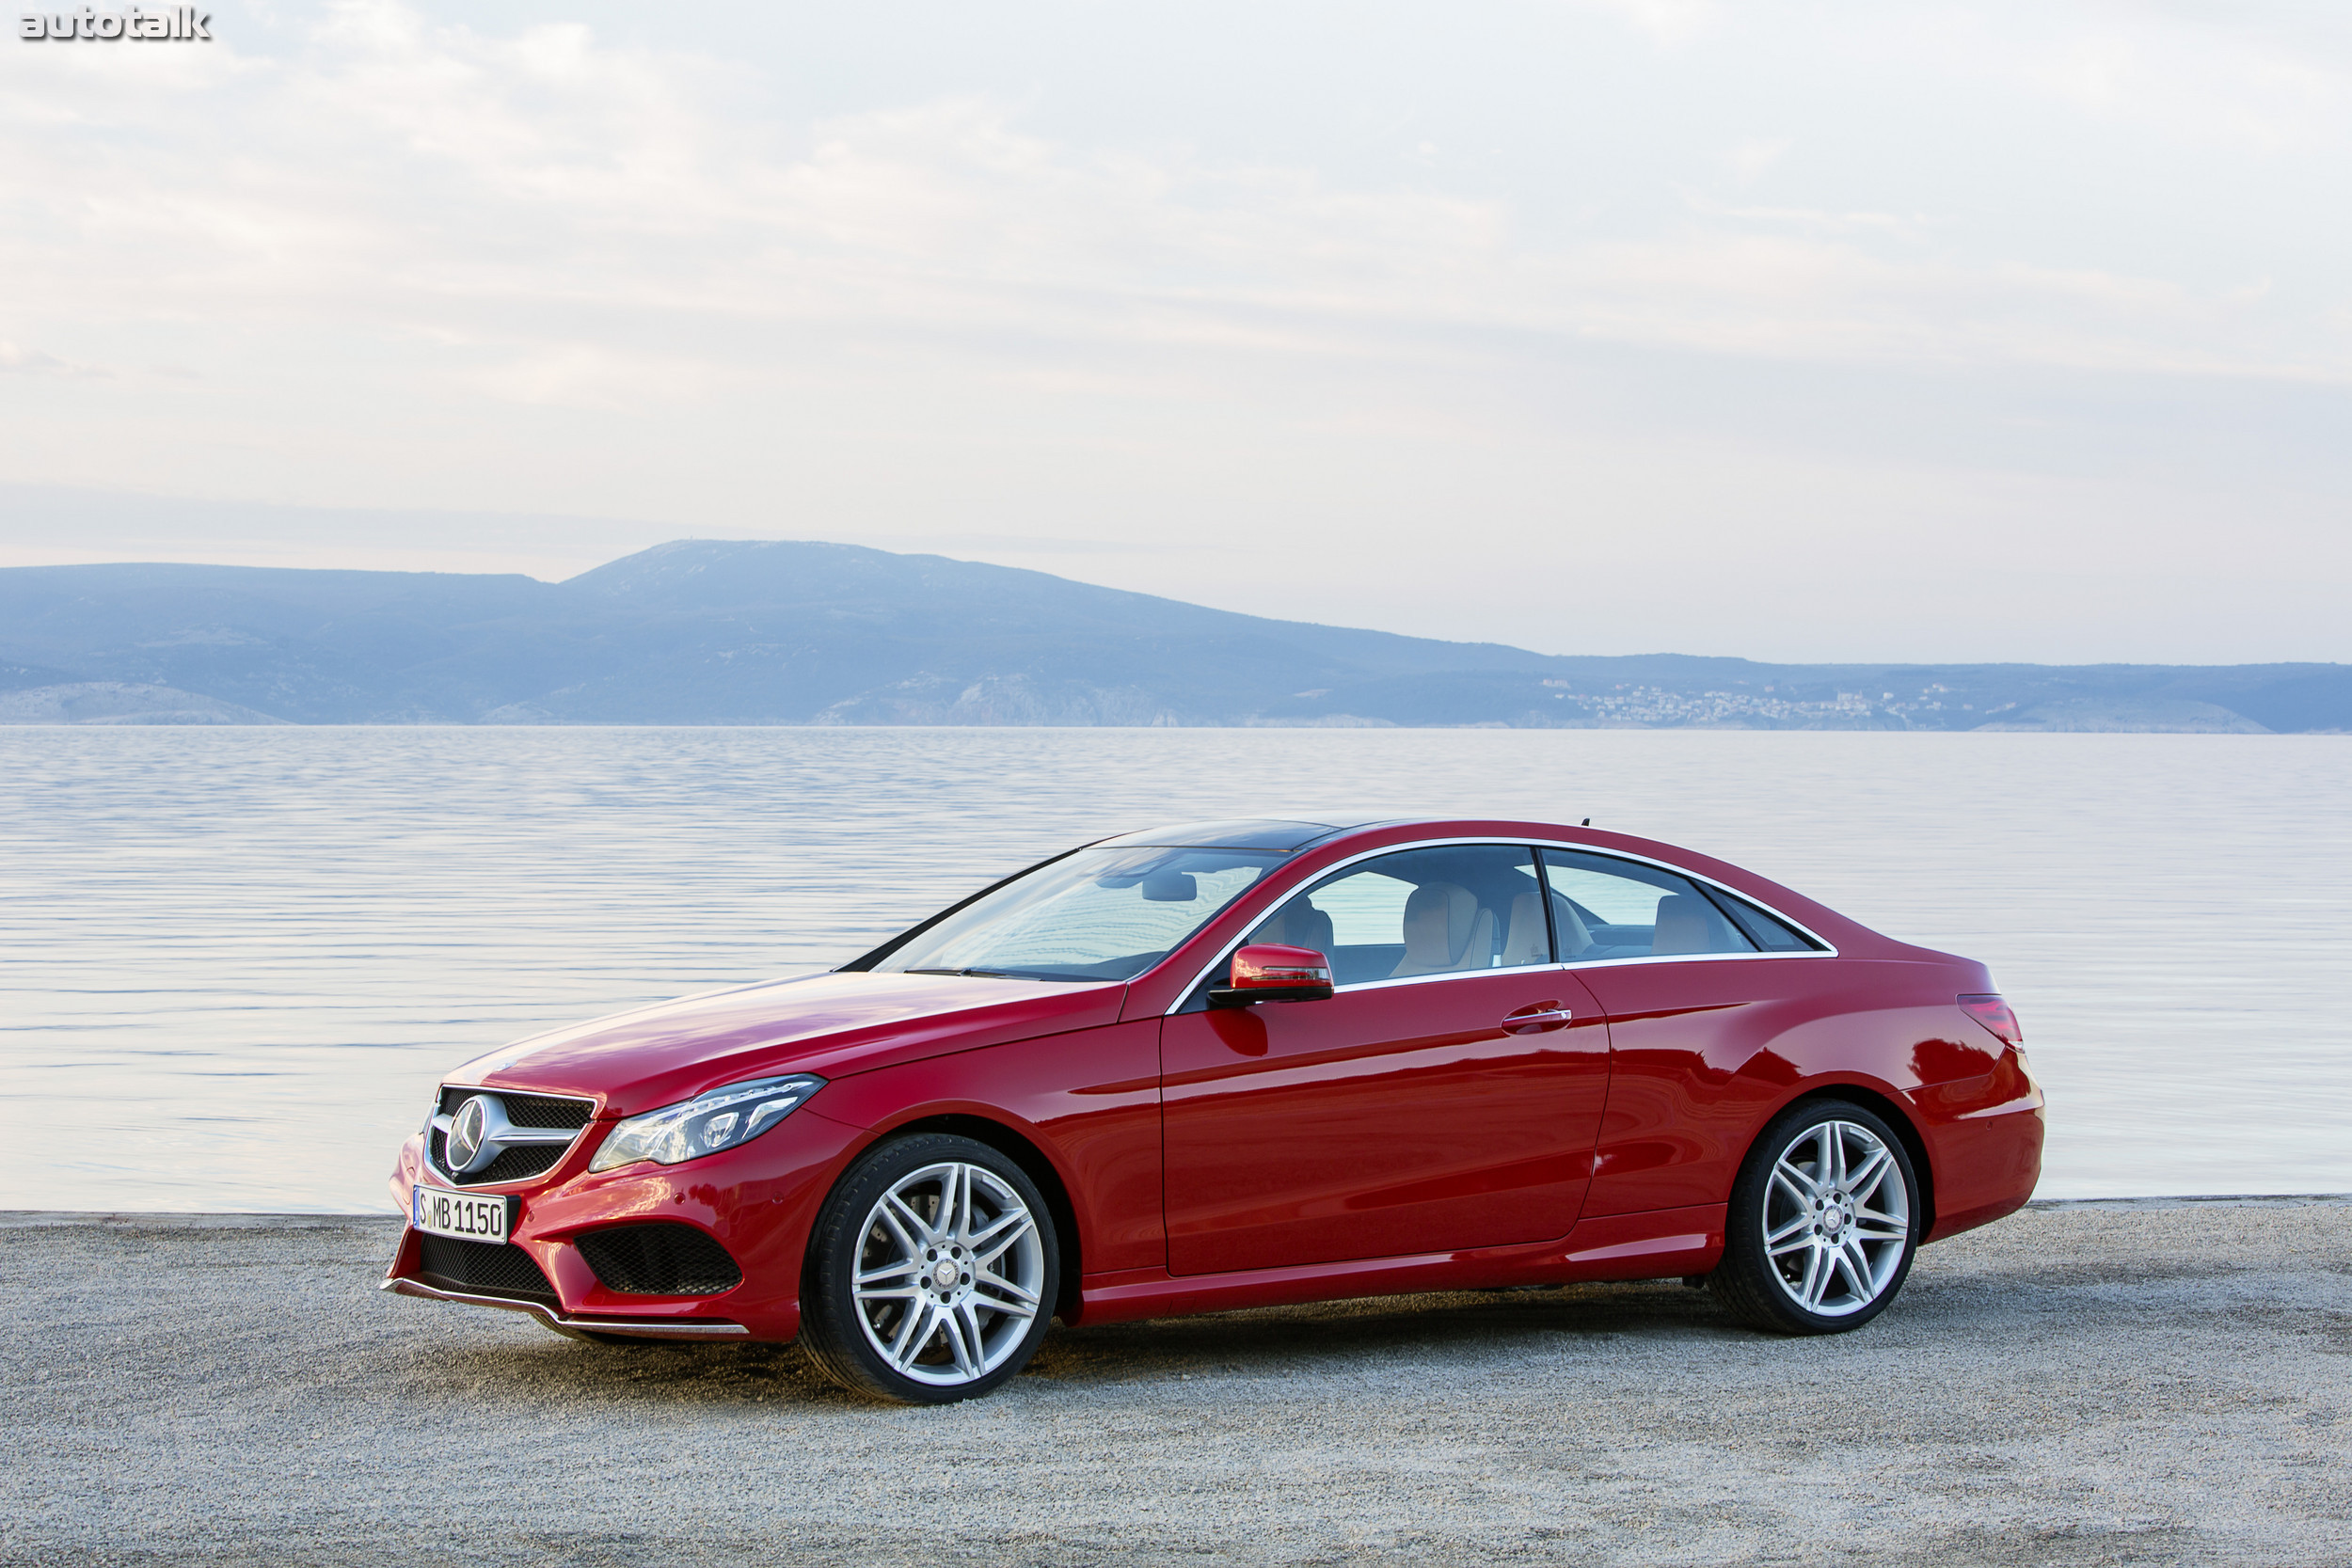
[(1034, 1164), (1895, 1115)]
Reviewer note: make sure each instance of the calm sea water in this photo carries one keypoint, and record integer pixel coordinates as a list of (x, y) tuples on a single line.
[(234, 963)]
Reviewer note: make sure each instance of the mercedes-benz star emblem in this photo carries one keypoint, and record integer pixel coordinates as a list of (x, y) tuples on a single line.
[(466, 1131)]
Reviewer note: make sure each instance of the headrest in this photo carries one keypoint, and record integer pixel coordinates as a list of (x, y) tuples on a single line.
[(1682, 926), (1437, 920), (1574, 935), (1526, 941), (1297, 924)]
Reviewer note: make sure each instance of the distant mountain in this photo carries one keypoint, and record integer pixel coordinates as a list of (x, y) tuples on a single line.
[(720, 632)]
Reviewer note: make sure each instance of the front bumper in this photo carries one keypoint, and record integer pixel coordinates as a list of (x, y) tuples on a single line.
[(758, 1202), (641, 1328)]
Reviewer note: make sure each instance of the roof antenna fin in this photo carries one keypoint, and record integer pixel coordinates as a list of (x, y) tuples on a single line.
[(1588, 821)]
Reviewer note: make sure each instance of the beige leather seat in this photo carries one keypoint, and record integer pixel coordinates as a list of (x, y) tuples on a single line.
[(1682, 926), (1524, 939), (1444, 930), (1575, 936)]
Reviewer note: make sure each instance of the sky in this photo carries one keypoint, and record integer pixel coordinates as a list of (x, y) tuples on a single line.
[(1794, 331)]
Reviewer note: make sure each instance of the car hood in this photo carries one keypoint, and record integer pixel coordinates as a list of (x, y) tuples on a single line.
[(829, 1024)]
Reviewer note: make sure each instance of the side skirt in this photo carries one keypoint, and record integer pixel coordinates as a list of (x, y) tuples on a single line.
[(1662, 1243)]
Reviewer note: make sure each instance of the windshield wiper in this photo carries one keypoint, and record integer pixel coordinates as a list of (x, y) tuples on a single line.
[(985, 973), (993, 973)]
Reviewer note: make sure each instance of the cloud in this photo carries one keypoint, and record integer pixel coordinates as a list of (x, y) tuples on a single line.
[(2189, 80), (26, 362), (1666, 21), (1754, 156), (432, 260), (508, 196)]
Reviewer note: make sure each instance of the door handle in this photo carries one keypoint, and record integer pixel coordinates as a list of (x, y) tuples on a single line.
[(1535, 1020)]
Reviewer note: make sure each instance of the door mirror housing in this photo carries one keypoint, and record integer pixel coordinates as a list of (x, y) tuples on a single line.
[(1266, 971)]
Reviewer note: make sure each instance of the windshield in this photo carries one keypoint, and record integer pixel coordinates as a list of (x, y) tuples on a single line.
[(1099, 914)]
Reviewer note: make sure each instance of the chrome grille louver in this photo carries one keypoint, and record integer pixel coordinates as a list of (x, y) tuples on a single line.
[(510, 1137)]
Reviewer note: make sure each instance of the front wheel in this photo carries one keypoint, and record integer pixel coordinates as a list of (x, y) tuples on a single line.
[(1823, 1222), (932, 1271)]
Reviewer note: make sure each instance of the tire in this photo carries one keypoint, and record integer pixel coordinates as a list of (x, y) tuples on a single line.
[(1809, 1252), (877, 1314)]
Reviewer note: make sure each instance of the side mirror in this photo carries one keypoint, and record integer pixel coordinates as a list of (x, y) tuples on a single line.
[(1263, 971)]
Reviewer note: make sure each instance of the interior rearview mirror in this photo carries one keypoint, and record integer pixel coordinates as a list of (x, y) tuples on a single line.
[(1170, 887), (1266, 971)]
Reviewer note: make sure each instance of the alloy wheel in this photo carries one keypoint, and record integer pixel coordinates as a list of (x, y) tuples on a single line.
[(1836, 1218), (950, 1274)]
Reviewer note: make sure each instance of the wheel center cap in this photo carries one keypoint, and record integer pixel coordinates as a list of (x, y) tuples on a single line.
[(1833, 1221), (944, 1276)]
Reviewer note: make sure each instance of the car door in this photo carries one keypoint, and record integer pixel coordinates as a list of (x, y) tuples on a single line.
[(1447, 1096), (1691, 1070)]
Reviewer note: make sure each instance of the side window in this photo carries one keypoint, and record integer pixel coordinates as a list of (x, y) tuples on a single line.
[(1605, 908), (1772, 935), (1420, 911)]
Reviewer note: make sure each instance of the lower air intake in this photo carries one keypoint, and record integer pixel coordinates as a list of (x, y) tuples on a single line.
[(659, 1260), (482, 1269)]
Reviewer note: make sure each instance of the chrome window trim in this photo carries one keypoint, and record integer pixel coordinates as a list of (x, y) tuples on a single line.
[(1827, 950), (1395, 980)]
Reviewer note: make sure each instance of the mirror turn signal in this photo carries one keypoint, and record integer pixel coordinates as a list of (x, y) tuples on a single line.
[(1265, 972)]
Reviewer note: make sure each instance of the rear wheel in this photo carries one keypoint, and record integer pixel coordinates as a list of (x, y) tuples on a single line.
[(1823, 1222), (933, 1273)]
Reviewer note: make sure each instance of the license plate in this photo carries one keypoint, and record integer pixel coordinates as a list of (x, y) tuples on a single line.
[(437, 1212)]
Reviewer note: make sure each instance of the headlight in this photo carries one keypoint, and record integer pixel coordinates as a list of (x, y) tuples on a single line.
[(706, 1124)]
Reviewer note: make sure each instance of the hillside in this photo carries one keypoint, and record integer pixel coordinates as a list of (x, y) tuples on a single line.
[(716, 632)]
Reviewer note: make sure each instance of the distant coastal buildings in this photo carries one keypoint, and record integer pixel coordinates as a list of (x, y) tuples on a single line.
[(1654, 705)]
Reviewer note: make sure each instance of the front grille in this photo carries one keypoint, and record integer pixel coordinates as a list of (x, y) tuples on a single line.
[(482, 1268), (522, 1109), (665, 1260), (528, 1110), (513, 1164)]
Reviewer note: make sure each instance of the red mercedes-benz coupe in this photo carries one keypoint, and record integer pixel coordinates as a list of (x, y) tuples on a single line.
[(1232, 1064)]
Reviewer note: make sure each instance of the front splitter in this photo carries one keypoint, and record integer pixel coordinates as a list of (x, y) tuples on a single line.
[(639, 1328)]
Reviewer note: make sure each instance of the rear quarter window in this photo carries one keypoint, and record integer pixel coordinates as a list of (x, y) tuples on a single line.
[(1769, 933), (1605, 908)]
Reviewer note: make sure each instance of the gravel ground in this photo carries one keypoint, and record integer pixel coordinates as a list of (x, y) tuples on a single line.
[(2147, 1383)]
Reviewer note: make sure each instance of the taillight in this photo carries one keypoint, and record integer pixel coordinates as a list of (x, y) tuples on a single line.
[(1995, 1014)]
